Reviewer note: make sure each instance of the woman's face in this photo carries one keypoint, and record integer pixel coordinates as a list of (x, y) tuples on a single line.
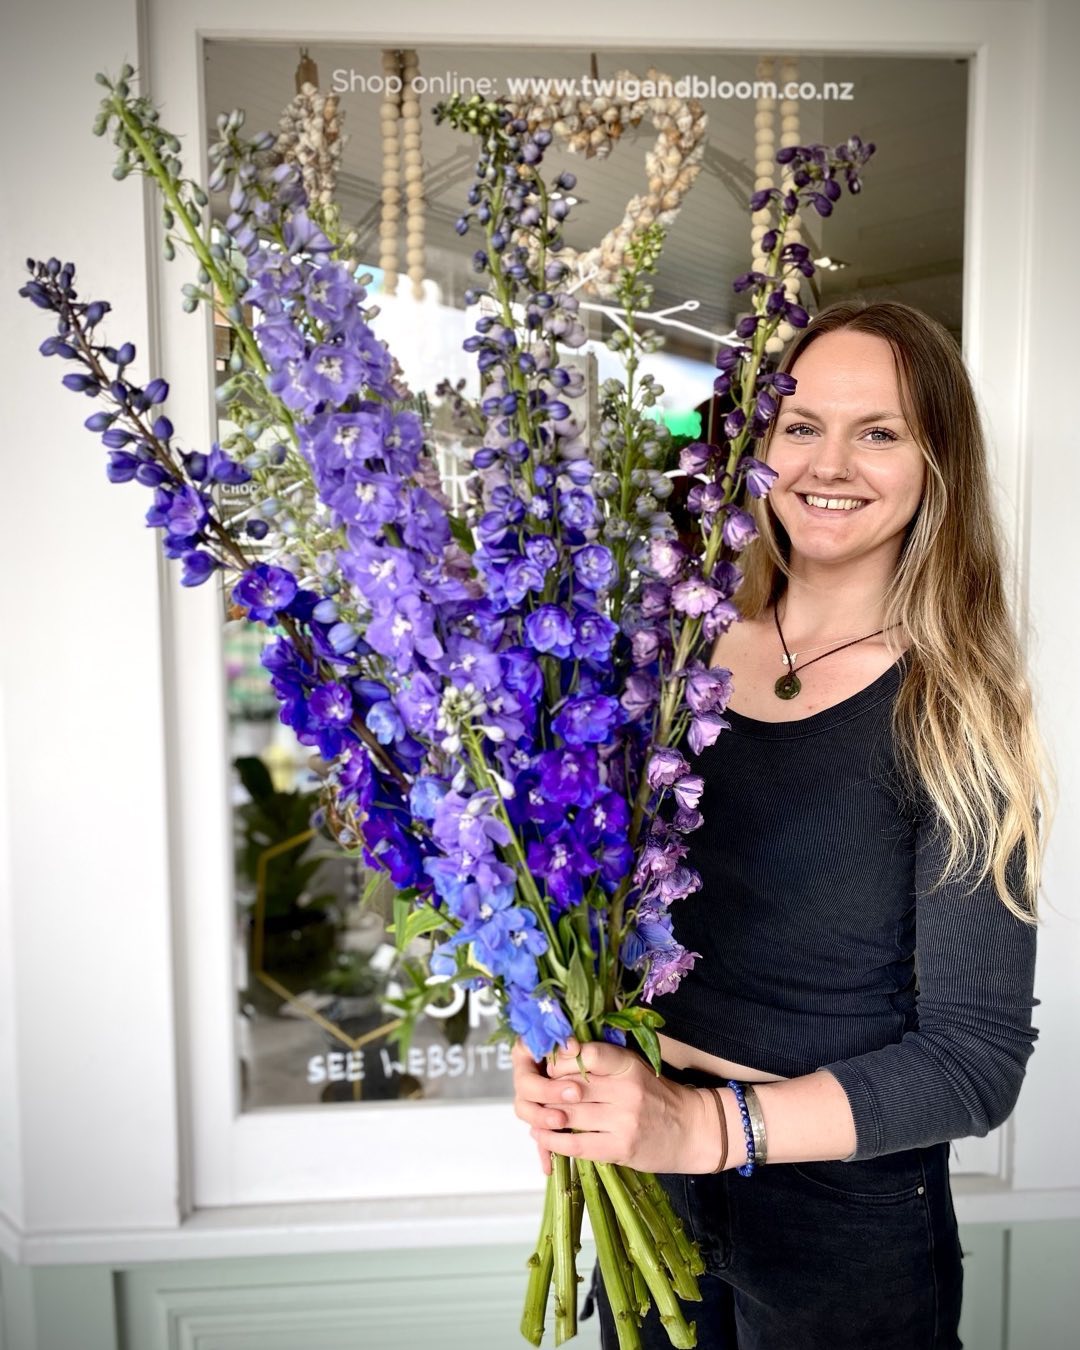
[(842, 436)]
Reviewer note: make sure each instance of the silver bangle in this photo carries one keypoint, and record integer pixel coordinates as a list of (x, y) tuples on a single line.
[(757, 1123)]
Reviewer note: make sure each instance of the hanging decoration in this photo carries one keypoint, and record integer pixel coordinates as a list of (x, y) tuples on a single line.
[(592, 128), (390, 186), (311, 138), (413, 161), (310, 135), (403, 172)]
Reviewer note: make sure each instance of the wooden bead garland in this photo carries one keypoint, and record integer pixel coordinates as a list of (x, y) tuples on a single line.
[(390, 186), (592, 128)]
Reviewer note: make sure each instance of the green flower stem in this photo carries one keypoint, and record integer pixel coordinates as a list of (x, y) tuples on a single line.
[(639, 1290), (525, 878), (611, 1256), (640, 1248), (565, 1271), (688, 1250), (195, 239), (666, 1230), (577, 1213), (541, 1263)]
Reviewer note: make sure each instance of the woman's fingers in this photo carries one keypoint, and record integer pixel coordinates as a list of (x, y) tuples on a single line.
[(545, 1159), (533, 1113), (595, 1146), (596, 1116), (599, 1057)]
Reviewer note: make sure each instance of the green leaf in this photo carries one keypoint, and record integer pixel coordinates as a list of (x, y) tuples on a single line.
[(596, 1008), (402, 905), (419, 922), (637, 1016), (578, 991), (647, 1039), (255, 777), (461, 532)]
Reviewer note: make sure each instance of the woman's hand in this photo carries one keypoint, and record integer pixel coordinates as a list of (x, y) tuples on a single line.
[(625, 1114)]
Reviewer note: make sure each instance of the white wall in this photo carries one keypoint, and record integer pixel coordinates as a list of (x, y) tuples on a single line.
[(86, 1025), (1044, 1157)]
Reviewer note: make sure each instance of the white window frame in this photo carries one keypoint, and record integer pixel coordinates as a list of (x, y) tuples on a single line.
[(339, 1152)]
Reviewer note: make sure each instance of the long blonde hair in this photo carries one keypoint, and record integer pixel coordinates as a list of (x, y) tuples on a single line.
[(963, 722)]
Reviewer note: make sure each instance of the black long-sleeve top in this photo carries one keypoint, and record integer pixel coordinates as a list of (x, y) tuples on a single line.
[(820, 945)]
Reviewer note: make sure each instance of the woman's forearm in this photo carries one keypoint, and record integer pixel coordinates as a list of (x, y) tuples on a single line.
[(807, 1119)]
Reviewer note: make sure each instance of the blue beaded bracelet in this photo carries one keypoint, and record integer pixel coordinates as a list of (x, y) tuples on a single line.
[(747, 1167)]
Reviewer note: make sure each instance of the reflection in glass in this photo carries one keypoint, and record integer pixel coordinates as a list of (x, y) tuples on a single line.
[(315, 966)]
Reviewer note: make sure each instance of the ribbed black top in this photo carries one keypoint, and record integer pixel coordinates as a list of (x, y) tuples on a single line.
[(815, 867)]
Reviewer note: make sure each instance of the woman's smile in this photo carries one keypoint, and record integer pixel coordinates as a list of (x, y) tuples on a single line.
[(820, 504)]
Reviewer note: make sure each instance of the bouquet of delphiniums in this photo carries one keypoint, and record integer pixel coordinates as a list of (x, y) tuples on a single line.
[(498, 692)]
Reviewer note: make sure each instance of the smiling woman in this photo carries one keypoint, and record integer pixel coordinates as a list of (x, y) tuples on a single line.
[(847, 457), (877, 997)]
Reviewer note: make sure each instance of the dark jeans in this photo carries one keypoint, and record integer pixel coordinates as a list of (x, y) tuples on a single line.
[(817, 1256)]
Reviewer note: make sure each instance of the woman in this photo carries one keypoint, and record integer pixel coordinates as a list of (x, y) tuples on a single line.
[(892, 790)]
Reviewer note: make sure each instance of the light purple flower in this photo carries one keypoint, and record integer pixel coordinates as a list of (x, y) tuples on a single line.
[(333, 372), (406, 627), (688, 790), (759, 476), (666, 971), (695, 596), (738, 528), (665, 767), (644, 646), (704, 729), (666, 558), (639, 695), (708, 689), (719, 619), (695, 458)]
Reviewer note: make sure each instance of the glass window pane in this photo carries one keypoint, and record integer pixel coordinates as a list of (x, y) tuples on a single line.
[(315, 967)]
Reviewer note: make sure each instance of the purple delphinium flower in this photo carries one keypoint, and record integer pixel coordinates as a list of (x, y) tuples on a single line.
[(708, 689), (406, 627), (583, 721), (562, 861), (666, 766), (759, 476), (688, 790), (704, 729), (550, 629), (666, 558), (694, 597), (594, 567), (640, 695), (666, 971), (332, 704), (738, 528), (594, 635), (264, 590)]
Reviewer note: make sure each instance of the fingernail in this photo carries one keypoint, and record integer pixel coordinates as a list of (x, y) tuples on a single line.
[(569, 1095)]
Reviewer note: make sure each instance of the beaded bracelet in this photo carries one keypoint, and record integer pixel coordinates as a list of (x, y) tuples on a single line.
[(747, 1168)]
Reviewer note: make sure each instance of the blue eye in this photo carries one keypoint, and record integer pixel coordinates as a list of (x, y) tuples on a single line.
[(872, 431)]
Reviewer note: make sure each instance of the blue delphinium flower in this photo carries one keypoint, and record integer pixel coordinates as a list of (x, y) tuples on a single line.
[(539, 1020)]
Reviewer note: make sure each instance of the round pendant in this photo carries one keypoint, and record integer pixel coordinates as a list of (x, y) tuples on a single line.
[(787, 686)]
